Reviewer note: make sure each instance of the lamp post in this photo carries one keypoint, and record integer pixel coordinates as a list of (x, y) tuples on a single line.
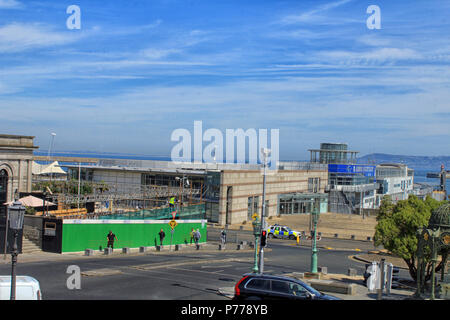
[(315, 218), (265, 152), (16, 214), (256, 232)]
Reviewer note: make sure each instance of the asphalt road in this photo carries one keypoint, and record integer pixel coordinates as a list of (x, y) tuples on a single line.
[(194, 275)]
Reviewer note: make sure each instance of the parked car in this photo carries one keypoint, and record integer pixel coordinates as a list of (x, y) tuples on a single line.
[(255, 286), (283, 232), (27, 288)]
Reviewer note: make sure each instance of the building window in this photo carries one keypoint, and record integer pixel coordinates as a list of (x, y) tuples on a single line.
[(252, 206), (313, 185)]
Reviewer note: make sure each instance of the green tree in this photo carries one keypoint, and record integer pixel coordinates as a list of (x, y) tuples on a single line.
[(397, 226)]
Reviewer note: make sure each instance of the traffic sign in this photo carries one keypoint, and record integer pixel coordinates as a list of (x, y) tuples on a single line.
[(254, 216), (173, 224)]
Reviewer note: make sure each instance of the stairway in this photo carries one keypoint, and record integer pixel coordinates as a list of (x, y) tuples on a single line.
[(29, 246)]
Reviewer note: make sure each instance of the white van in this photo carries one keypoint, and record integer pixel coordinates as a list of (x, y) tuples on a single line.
[(27, 288)]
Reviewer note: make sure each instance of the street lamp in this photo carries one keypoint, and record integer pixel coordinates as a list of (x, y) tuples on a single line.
[(16, 213), (315, 219), (256, 232), (265, 152)]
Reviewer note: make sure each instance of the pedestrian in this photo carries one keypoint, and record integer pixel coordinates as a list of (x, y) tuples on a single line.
[(224, 236), (192, 235), (197, 236), (162, 235), (111, 237)]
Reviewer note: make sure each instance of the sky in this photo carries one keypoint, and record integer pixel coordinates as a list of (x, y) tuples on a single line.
[(135, 71)]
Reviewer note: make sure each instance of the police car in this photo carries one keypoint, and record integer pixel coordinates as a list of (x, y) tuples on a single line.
[(283, 232)]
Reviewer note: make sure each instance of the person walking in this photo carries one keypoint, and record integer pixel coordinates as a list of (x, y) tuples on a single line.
[(162, 235), (111, 237), (192, 235), (223, 236), (197, 236)]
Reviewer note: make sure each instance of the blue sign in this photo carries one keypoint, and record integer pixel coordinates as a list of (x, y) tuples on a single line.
[(366, 170)]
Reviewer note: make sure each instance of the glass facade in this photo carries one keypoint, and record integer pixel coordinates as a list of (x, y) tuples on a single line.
[(211, 196), (301, 203)]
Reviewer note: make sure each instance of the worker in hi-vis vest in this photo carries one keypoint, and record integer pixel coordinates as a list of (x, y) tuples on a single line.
[(172, 202)]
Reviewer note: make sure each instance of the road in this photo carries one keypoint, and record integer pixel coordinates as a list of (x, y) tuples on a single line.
[(194, 275)]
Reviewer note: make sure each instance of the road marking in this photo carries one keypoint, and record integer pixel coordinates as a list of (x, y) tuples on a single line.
[(191, 262), (100, 272)]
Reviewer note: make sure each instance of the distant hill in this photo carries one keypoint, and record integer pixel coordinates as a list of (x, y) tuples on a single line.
[(415, 162)]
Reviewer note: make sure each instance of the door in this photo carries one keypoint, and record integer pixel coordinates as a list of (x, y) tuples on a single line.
[(3, 187)]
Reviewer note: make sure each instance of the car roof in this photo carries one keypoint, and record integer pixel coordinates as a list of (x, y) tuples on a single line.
[(270, 277), (6, 280)]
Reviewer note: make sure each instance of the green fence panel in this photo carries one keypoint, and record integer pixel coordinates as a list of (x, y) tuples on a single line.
[(79, 235)]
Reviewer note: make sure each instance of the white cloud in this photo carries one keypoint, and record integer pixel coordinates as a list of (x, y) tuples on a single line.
[(10, 4), (313, 15), (18, 37)]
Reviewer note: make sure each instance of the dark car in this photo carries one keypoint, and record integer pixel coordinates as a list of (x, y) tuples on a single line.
[(255, 286)]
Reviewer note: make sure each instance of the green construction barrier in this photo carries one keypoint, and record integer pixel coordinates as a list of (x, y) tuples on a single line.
[(79, 235)]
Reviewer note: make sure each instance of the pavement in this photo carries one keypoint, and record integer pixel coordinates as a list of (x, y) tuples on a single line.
[(360, 292)]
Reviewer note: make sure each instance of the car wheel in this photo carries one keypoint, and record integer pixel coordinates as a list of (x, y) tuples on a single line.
[(292, 237), (270, 236)]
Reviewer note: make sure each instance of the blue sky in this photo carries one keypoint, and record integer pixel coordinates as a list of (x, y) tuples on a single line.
[(137, 70)]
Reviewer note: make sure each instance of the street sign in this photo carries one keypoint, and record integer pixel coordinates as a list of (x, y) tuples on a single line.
[(172, 224)]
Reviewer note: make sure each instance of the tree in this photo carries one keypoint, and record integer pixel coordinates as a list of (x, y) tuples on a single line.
[(397, 226)]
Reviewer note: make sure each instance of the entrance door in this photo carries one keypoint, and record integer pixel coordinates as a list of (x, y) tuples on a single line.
[(3, 187)]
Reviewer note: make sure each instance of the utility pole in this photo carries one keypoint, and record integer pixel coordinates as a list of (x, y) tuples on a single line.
[(266, 153)]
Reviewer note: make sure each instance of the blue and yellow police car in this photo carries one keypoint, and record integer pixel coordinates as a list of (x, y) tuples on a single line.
[(283, 232)]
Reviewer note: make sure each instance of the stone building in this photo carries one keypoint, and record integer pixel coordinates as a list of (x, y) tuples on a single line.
[(16, 160)]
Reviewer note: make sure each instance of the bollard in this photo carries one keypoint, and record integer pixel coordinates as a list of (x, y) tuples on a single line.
[(369, 238), (197, 247), (240, 247), (142, 249), (126, 250), (352, 272), (88, 252), (298, 240), (108, 251), (353, 237), (221, 247), (336, 235), (178, 247), (323, 270), (158, 248)]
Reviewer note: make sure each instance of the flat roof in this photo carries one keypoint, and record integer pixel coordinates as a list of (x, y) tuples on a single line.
[(134, 169)]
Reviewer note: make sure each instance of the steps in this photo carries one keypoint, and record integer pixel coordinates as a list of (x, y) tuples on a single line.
[(29, 246), (345, 225)]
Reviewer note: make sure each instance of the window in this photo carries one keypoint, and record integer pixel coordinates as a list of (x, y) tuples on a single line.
[(258, 284), (280, 286), (313, 184), (252, 206), (296, 289)]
